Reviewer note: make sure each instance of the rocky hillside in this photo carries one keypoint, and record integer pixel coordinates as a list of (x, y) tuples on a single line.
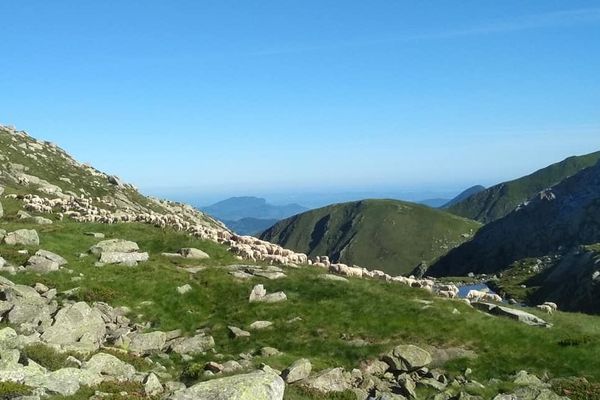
[(33, 167), (499, 200), (390, 235), (555, 220), (106, 294)]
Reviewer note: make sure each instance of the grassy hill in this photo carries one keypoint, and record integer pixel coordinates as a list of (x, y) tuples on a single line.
[(333, 323), (499, 200), (391, 235)]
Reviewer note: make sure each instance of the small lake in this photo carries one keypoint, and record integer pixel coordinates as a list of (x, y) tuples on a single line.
[(464, 289)]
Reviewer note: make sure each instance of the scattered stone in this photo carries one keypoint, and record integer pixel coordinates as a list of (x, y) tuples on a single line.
[(259, 385), (114, 246), (519, 315), (194, 345), (44, 262), (329, 380), (77, 327), (109, 365), (269, 352), (146, 343), (129, 259), (24, 237), (96, 235), (192, 253), (298, 371), (152, 385), (237, 333), (407, 358), (257, 325), (331, 277), (184, 289)]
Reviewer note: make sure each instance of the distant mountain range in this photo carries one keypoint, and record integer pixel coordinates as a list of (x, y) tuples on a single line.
[(391, 235), (250, 215)]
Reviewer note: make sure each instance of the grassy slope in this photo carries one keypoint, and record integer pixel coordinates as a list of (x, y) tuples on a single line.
[(499, 200), (390, 235), (384, 314)]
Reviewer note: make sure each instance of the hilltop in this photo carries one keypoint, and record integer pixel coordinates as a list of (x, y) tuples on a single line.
[(499, 200), (108, 294), (464, 195), (391, 235)]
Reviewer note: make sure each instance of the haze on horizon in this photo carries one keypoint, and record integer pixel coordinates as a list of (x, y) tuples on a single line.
[(220, 98)]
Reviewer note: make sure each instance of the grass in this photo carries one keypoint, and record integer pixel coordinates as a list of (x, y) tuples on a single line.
[(48, 357), (332, 312), (390, 235)]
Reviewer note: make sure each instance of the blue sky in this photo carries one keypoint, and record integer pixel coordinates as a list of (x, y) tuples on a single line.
[(257, 97)]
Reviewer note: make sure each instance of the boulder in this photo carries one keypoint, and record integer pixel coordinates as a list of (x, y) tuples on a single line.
[(76, 327), (114, 246), (194, 345), (259, 385), (298, 371), (152, 386), (146, 343), (258, 292), (329, 380), (131, 259), (513, 313), (66, 381), (24, 237), (28, 307), (237, 333), (407, 358), (257, 325), (110, 366), (44, 262), (192, 253)]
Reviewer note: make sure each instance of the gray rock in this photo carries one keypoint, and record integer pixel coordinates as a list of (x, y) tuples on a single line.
[(259, 385), (152, 385), (8, 338), (194, 345), (146, 343), (407, 358), (298, 371), (66, 381), (40, 220), (109, 365), (192, 253), (231, 366), (257, 325), (519, 315), (114, 246), (24, 237), (44, 262), (96, 235), (76, 327), (329, 380), (331, 277), (123, 258), (237, 333), (269, 352), (28, 306)]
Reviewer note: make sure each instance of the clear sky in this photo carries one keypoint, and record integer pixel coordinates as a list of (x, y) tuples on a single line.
[(249, 97)]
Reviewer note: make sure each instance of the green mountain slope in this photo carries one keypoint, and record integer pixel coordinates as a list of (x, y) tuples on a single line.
[(565, 216), (390, 235), (464, 195), (499, 200), (149, 324)]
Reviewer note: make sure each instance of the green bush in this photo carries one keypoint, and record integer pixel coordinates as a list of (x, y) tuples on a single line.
[(10, 390), (48, 357)]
